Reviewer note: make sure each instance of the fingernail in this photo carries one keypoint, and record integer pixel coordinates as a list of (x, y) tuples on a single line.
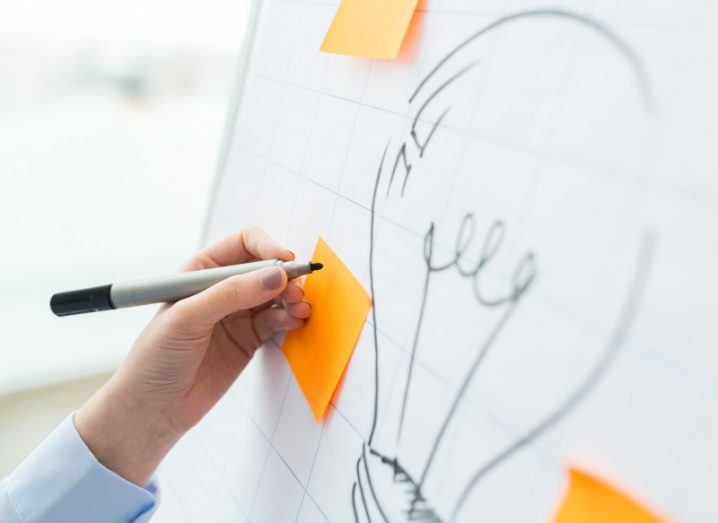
[(272, 278), (292, 253)]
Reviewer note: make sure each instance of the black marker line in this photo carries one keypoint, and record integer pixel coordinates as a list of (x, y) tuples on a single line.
[(354, 502), (428, 256), (434, 127), (488, 250), (628, 52), (401, 475), (371, 486), (423, 107), (361, 492), (488, 343), (616, 342), (412, 356), (372, 220), (522, 278), (401, 155)]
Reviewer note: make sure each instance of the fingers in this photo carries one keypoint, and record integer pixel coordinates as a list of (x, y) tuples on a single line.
[(274, 320), (299, 310), (239, 292), (289, 295), (293, 301), (293, 293), (246, 245)]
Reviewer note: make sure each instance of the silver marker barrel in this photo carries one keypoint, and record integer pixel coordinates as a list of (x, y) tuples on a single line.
[(169, 288)]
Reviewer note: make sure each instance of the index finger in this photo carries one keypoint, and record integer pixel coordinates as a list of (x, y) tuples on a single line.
[(247, 245)]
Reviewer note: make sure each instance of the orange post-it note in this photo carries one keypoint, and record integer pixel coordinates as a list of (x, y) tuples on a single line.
[(590, 500), (369, 28), (319, 352)]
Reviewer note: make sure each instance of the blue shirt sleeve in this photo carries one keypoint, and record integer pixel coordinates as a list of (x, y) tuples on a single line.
[(62, 482)]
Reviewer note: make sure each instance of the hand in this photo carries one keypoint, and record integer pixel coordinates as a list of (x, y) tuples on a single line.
[(188, 356)]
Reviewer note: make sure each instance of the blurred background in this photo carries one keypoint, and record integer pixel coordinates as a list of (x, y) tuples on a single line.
[(111, 121)]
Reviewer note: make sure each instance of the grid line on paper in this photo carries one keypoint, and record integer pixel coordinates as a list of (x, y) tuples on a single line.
[(275, 125), (292, 213), (645, 19), (168, 483), (311, 469), (456, 173), (269, 440), (703, 196), (329, 228), (346, 152), (215, 466), (536, 451), (646, 352), (271, 448)]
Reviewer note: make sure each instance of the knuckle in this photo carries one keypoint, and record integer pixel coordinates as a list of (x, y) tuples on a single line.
[(233, 289), (251, 238), (179, 314), (279, 320), (254, 232)]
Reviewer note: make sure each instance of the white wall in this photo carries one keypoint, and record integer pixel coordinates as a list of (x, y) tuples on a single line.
[(111, 117), (29, 416)]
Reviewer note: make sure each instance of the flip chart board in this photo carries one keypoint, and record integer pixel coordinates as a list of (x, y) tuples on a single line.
[(531, 200)]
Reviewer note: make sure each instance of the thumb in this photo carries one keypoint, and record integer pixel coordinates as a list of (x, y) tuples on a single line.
[(236, 293)]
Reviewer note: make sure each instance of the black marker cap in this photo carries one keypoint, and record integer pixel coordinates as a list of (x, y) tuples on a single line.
[(81, 301)]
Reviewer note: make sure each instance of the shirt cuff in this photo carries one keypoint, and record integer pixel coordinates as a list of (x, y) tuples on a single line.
[(63, 481)]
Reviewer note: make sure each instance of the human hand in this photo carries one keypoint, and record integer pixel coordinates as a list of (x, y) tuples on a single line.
[(188, 356)]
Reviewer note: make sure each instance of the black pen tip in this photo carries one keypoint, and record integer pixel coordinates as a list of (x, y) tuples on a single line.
[(315, 266)]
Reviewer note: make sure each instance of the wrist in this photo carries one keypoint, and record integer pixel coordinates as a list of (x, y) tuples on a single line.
[(126, 436)]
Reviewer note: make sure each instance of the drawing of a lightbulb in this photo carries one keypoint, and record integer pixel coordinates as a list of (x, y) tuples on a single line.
[(390, 482)]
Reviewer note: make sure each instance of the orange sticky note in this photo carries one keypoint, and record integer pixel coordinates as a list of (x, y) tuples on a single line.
[(319, 352), (590, 500), (369, 28)]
